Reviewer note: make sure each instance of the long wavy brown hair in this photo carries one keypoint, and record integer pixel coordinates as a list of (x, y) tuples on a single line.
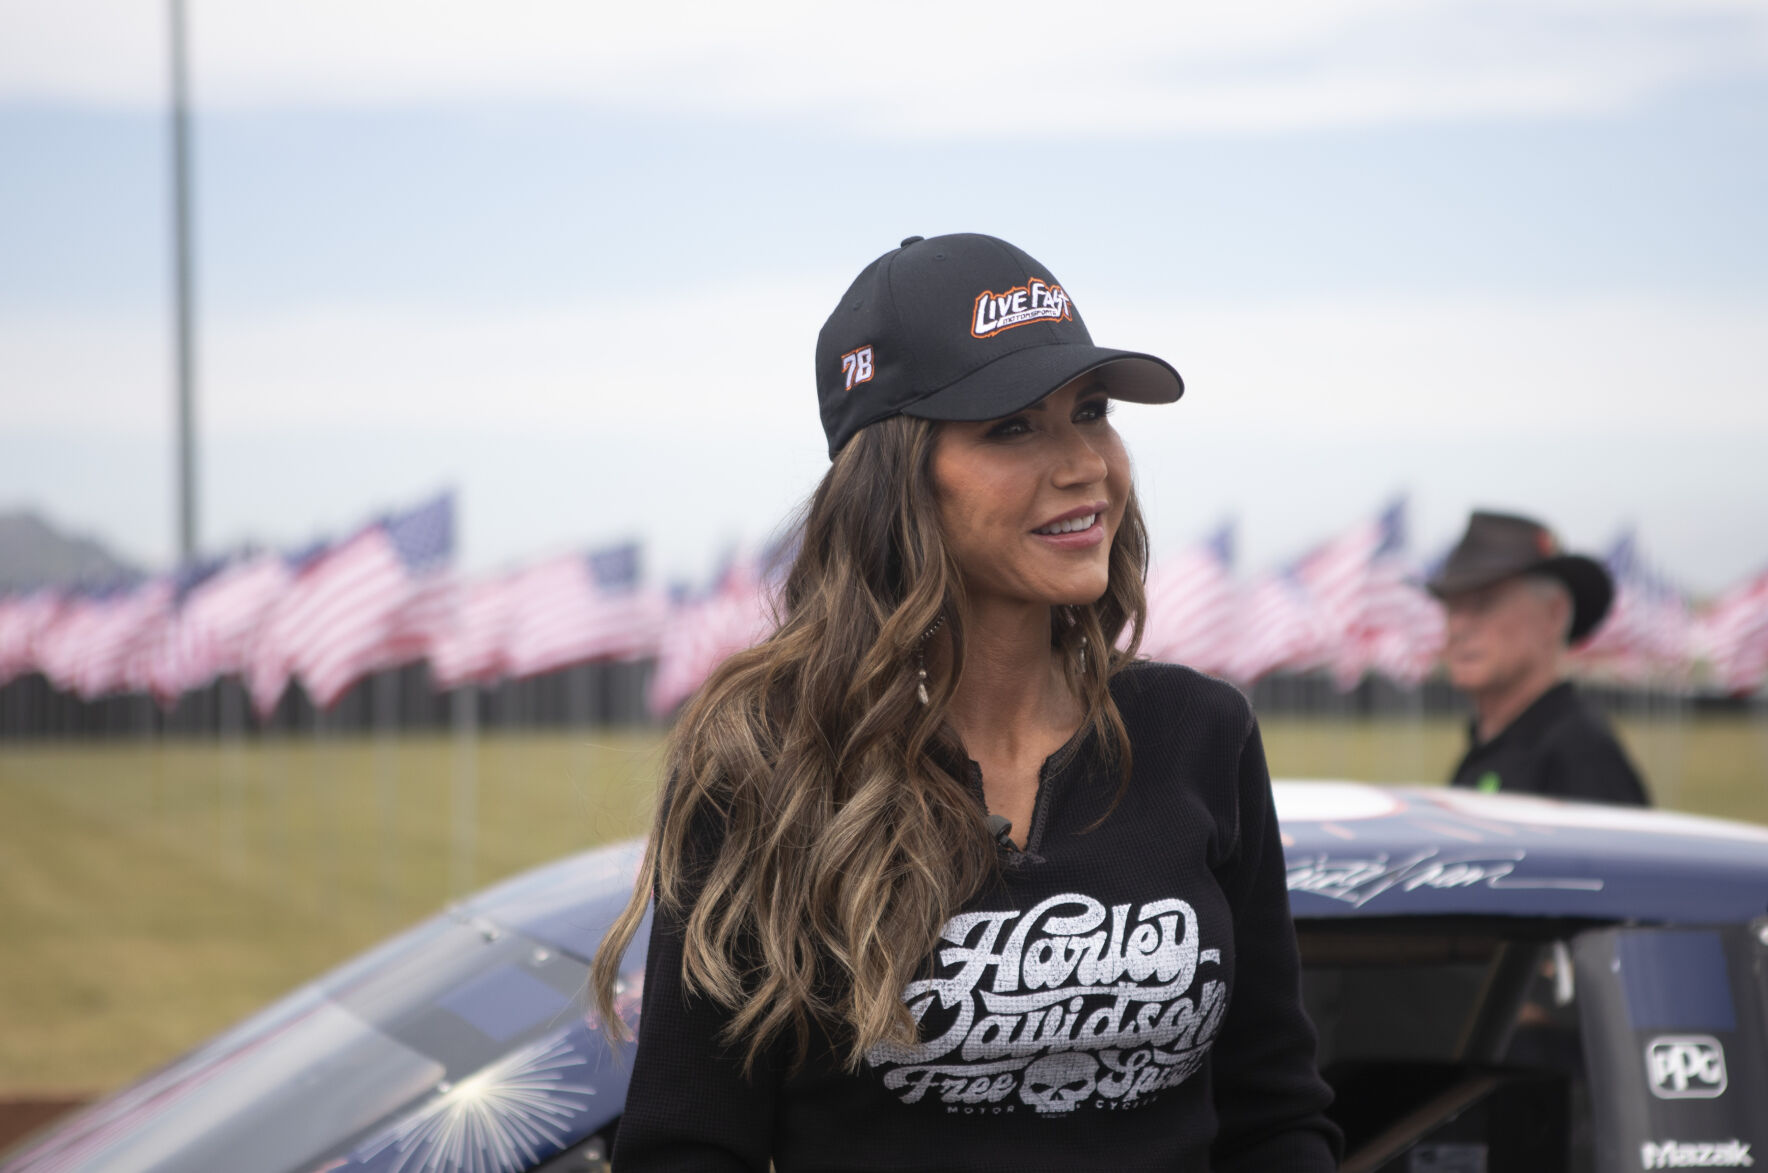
[(810, 842)]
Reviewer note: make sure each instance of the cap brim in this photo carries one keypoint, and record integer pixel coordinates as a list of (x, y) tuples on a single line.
[(1020, 378)]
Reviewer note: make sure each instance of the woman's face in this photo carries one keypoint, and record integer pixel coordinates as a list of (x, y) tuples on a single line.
[(1031, 502)]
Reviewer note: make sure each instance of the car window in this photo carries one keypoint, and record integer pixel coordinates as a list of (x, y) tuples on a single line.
[(1448, 1045), (416, 1025)]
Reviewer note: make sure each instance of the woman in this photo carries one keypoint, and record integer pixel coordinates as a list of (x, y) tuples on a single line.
[(944, 879)]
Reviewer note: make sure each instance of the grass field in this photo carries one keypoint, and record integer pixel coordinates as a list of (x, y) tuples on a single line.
[(152, 893)]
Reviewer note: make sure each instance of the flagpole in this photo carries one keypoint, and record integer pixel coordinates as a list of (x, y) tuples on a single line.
[(1759, 707), (1415, 763), (578, 695), (385, 685), (466, 788), (231, 722), (326, 818), (185, 329), (144, 733)]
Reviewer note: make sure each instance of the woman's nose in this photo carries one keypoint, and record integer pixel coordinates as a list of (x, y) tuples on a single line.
[(1081, 462)]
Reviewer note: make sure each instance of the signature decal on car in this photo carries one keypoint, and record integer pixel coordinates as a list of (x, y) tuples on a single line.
[(1356, 880)]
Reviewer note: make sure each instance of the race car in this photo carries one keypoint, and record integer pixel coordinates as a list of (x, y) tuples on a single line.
[(1500, 983)]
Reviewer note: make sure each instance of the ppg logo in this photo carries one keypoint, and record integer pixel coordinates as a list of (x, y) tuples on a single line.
[(1686, 1067)]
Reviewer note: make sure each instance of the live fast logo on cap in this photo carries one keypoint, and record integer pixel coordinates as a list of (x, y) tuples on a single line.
[(1035, 301)]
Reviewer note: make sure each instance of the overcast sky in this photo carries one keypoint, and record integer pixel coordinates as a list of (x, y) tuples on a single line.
[(570, 259)]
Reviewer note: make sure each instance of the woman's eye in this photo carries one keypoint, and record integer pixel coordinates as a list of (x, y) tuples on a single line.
[(1007, 428), (1093, 409)]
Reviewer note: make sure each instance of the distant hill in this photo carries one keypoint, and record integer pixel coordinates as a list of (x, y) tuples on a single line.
[(34, 554)]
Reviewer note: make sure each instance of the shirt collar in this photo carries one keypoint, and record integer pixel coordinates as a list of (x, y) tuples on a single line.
[(1542, 711)]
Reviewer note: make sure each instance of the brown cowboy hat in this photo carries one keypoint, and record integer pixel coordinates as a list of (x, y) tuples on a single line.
[(1501, 545)]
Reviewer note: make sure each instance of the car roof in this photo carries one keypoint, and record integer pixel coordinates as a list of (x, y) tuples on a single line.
[(1355, 849)]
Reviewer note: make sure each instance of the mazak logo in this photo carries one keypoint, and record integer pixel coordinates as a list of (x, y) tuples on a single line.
[(1035, 301), (1686, 1067), (1696, 1154)]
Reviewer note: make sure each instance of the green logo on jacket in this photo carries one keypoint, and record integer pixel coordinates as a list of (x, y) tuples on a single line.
[(1489, 783)]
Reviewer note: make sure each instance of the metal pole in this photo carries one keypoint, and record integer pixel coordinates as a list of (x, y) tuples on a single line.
[(1759, 710), (385, 697), (231, 720), (466, 789), (181, 267), (326, 819)]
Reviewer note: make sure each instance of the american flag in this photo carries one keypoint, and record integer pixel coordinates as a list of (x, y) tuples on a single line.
[(1398, 628), (385, 596), (1648, 631), (1335, 575), (23, 621), (1191, 604), (378, 599), (266, 671), (1732, 636), (1366, 591), (424, 541), (735, 614), (1407, 625), (212, 631), (156, 653), (578, 608), (56, 647), (471, 647), (92, 644), (1334, 572), (1278, 628)]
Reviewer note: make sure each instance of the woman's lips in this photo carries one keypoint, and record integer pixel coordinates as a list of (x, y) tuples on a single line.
[(1081, 539), (1070, 519)]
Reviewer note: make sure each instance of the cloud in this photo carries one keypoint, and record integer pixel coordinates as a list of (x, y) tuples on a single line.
[(1459, 368), (690, 418), (732, 354), (709, 355), (922, 68)]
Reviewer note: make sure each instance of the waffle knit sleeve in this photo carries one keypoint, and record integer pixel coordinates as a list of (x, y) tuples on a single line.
[(1270, 1101), (690, 1106)]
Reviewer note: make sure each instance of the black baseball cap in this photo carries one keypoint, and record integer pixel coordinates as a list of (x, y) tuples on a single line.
[(962, 327)]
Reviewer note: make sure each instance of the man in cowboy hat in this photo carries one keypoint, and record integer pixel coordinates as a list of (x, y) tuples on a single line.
[(1515, 602)]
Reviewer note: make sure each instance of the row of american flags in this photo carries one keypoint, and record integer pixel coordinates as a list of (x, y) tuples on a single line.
[(388, 595), (1353, 605)]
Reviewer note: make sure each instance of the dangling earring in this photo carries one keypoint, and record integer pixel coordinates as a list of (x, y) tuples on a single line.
[(921, 660), (1083, 655)]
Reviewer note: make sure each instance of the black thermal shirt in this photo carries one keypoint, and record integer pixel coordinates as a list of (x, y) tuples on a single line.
[(1122, 999), (1559, 747)]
